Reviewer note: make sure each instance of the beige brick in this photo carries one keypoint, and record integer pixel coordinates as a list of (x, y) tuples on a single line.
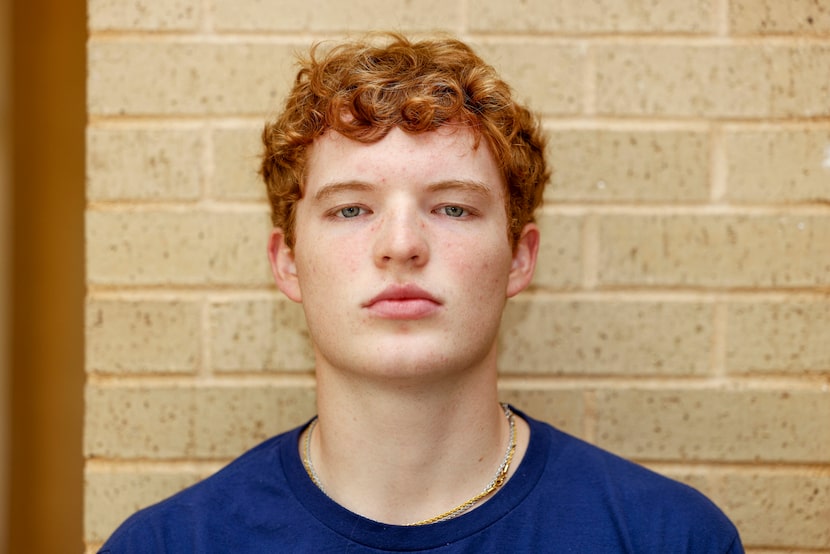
[(544, 336), (779, 508), (564, 409), (774, 16), (722, 425), (357, 15), (801, 81), (239, 248), (112, 496), (142, 336), (560, 253), (188, 248), (199, 422), (778, 166), (714, 251), (713, 80), (228, 421), (139, 422), (546, 75), (259, 335), (791, 337), (619, 165), (151, 77), (594, 16), (170, 15), (682, 80), (142, 164), (144, 248), (236, 154)]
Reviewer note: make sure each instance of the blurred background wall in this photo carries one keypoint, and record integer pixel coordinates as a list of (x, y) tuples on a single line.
[(41, 280), (680, 315)]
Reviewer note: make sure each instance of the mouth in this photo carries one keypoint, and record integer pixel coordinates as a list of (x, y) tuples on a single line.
[(403, 302)]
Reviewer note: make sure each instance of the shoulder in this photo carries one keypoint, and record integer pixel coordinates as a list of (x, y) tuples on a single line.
[(642, 508), (234, 495)]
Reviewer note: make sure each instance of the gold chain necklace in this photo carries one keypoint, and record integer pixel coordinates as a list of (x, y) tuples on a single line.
[(494, 485)]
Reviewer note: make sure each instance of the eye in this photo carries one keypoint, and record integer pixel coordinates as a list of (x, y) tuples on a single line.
[(350, 211), (454, 211)]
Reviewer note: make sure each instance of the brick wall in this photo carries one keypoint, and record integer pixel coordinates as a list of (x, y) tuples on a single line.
[(681, 311)]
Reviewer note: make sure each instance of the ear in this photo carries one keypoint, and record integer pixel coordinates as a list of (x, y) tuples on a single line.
[(524, 260), (283, 265)]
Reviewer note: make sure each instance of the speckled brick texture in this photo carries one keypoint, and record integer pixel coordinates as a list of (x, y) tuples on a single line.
[(143, 336), (592, 337), (235, 155), (592, 16), (778, 337), (778, 165), (713, 80), (771, 17), (354, 16), (264, 334), (201, 422), (111, 495), (680, 312), (715, 251), (182, 246), (155, 77), (780, 492), (134, 15), (142, 163), (619, 165)]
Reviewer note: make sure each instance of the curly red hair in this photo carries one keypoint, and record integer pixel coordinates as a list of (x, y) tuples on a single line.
[(363, 89)]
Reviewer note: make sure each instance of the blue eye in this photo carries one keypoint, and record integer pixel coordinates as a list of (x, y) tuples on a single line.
[(454, 211), (350, 211)]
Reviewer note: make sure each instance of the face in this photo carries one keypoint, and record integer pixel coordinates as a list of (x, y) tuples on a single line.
[(402, 259)]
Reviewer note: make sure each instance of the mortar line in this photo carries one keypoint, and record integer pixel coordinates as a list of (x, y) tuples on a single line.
[(208, 177), (722, 18), (589, 79), (463, 20), (719, 329), (718, 165), (589, 422), (208, 19), (590, 252), (204, 367)]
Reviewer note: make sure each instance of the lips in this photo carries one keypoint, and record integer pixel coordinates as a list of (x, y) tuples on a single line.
[(403, 302)]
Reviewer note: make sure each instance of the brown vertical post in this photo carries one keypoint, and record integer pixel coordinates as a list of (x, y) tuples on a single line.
[(48, 116)]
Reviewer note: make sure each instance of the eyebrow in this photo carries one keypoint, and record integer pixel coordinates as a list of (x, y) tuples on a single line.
[(335, 188), (475, 187)]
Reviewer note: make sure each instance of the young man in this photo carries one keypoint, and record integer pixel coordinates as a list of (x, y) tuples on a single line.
[(403, 179)]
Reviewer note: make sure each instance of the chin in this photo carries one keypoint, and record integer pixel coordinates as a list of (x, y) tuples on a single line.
[(419, 364)]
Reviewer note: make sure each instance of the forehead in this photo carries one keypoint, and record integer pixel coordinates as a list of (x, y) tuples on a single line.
[(447, 154)]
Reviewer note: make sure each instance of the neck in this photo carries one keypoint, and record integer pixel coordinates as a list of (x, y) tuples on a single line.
[(402, 452)]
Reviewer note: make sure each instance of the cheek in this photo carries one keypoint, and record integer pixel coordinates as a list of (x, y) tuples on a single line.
[(329, 260), (484, 269)]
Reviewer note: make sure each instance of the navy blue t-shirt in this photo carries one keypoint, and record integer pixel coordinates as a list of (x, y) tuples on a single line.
[(566, 496)]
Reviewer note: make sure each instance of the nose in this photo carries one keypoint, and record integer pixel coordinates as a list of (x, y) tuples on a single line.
[(401, 239)]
